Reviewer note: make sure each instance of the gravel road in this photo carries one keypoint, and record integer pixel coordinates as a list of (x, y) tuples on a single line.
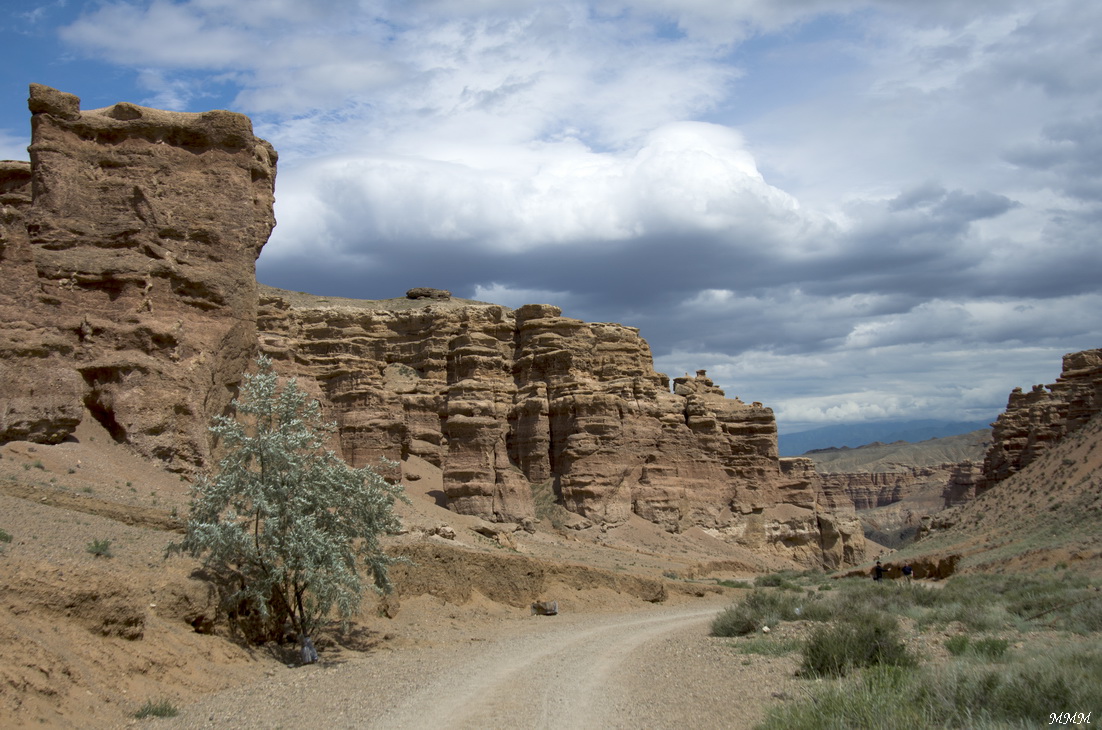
[(654, 668)]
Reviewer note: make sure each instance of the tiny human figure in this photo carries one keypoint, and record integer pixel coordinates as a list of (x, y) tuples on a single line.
[(908, 572), (878, 572)]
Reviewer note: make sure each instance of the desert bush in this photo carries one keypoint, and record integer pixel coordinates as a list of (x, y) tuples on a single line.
[(957, 645), (100, 548), (1023, 691), (964, 694), (5, 537), (290, 523), (987, 647), (862, 640), (871, 700), (158, 708), (759, 608)]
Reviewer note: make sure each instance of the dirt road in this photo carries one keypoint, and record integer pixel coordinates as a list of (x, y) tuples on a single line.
[(654, 668)]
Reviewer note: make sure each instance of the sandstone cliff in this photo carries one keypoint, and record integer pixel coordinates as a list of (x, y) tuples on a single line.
[(505, 400), (1033, 422), (127, 247)]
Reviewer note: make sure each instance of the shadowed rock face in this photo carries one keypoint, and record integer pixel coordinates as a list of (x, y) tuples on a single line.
[(503, 400), (128, 249)]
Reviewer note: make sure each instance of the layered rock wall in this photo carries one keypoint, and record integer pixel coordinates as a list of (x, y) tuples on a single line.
[(128, 248), (503, 400), (872, 489), (1034, 421)]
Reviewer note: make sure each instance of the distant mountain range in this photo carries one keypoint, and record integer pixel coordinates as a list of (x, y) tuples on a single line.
[(859, 434)]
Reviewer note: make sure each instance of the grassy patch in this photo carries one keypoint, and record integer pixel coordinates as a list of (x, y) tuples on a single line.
[(867, 678), (862, 640), (158, 708), (759, 609), (100, 548), (964, 694)]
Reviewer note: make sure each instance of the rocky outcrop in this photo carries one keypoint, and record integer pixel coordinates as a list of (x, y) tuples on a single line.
[(1036, 420), (128, 248), (965, 484), (504, 400), (840, 533), (869, 490)]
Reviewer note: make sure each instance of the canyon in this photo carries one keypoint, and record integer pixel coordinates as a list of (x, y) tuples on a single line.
[(130, 242)]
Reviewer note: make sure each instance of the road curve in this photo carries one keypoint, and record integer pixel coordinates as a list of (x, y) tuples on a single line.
[(652, 668)]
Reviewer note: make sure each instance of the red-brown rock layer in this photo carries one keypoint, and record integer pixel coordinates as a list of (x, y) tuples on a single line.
[(127, 248)]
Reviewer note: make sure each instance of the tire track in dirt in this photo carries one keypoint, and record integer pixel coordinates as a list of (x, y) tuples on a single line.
[(559, 672), (554, 679)]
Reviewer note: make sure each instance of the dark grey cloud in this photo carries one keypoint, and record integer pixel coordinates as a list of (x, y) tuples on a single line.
[(859, 209)]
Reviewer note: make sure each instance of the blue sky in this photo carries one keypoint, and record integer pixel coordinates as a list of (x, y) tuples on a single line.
[(850, 210)]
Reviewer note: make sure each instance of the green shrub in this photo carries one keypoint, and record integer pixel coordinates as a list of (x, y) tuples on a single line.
[(957, 645), (988, 648), (298, 528), (160, 708), (1022, 692), (872, 700), (863, 640), (759, 608), (100, 548), (964, 694)]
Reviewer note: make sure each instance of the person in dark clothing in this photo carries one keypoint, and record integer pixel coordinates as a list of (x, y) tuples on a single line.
[(908, 572), (878, 572)]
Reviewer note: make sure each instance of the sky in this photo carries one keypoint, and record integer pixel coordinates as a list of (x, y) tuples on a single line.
[(850, 210)]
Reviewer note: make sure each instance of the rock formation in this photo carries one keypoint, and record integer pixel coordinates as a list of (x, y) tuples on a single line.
[(964, 485), (128, 248), (1034, 421), (504, 400)]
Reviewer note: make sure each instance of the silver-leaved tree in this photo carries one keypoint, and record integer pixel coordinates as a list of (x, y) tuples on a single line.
[(292, 525)]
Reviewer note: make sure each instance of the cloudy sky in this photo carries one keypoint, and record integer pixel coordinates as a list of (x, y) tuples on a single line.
[(850, 210)]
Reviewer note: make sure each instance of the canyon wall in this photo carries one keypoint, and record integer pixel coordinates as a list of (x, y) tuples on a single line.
[(504, 400), (1033, 422), (128, 247)]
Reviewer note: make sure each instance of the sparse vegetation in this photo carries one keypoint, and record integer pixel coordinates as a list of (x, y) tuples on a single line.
[(861, 639), (869, 678), (759, 609), (100, 548), (5, 537), (156, 708)]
